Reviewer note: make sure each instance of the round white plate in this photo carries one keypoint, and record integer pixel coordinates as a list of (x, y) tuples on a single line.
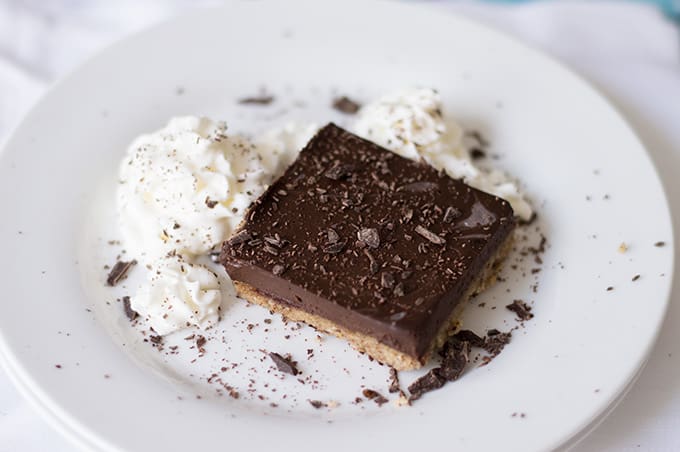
[(68, 347)]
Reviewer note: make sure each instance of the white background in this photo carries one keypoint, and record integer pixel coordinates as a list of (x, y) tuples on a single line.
[(629, 51)]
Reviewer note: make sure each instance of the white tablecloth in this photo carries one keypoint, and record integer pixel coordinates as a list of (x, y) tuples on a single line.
[(629, 51)]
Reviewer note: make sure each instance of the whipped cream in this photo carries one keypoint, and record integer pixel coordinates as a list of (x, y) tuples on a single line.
[(178, 294), (185, 187), (411, 123), (281, 145), (183, 190)]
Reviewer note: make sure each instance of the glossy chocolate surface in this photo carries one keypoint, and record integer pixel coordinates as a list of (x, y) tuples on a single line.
[(374, 242)]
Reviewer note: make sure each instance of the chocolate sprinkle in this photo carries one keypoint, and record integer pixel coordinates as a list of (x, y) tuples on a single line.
[(522, 310), (129, 312), (660, 244), (119, 272), (429, 235), (285, 365), (346, 105)]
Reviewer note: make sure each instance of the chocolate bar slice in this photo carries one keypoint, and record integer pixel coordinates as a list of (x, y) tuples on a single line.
[(369, 246)]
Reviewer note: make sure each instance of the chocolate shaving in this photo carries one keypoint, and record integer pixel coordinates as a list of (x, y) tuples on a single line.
[(333, 248), (332, 236), (369, 236), (451, 214), (428, 382), (456, 356), (156, 339), (129, 312), (285, 365), (257, 100), (373, 264), (469, 336), (429, 235), (317, 404), (495, 343), (387, 280), (119, 272), (200, 341), (394, 381), (418, 187), (521, 309), (346, 105), (375, 396), (339, 171)]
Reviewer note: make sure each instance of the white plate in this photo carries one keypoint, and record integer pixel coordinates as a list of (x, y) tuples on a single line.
[(563, 140)]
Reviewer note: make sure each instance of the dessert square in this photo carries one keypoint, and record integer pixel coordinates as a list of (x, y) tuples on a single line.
[(369, 246)]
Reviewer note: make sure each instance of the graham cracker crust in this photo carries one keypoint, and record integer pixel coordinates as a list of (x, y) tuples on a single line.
[(363, 343)]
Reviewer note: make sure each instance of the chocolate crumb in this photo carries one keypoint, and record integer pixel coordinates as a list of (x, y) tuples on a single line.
[(610, 288), (155, 339), (394, 381), (635, 278), (210, 203), (429, 235), (346, 105), (129, 312), (521, 309), (660, 244), (285, 365), (119, 272)]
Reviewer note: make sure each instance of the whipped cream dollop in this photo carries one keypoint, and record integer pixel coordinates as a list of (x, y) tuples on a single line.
[(185, 187), (183, 190), (412, 124), (178, 294)]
